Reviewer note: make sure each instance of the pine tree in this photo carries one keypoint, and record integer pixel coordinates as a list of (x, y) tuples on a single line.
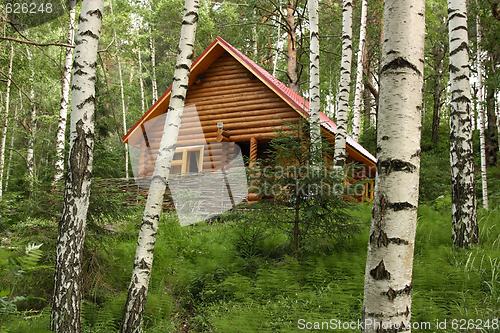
[(389, 264)]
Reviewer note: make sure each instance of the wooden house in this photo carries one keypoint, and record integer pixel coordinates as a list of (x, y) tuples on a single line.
[(233, 100)]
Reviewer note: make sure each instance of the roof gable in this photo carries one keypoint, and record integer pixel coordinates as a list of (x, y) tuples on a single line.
[(297, 102)]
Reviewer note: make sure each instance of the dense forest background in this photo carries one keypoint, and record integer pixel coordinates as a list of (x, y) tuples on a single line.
[(212, 277)]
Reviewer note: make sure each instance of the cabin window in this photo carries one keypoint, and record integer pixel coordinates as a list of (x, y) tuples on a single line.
[(187, 160)]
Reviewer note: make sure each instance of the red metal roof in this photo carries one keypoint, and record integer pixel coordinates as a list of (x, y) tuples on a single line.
[(288, 95)]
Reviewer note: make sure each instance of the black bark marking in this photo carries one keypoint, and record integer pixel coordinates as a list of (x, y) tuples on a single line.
[(80, 72), (461, 47), (80, 159), (81, 19), (90, 99), (385, 137), (95, 12), (461, 77), (461, 99), (395, 165), (379, 272), (391, 293), (382, 239), (400, 63), (460, 27), (456, 15), (183, 66), (90, 34), (398, 206)]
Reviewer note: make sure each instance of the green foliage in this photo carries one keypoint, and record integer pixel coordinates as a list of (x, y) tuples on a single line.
[(305, 192)]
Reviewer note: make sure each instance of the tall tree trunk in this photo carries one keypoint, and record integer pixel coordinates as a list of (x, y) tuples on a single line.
[(5, 121), (153, 65), (143, 106), (137, 293), (345, 85), (436, 114), (492, 130), (30, 151), (389, 264), (464, 217), (314, 83), (293, 80), (66, 302), (278, 46), (356, 122), (63, 109), (480, 111), (124, 113), (11, 145)]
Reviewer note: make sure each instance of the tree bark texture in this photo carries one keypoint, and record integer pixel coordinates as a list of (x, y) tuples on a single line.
[(30, 151), (5, 121), (389, 264), (345, 85), (293, 80), (63, 110), (480, 111), (356, 109), (141, 81), (66, 302), (464, 210), (436, 109), (314, 84), (492, 129), (153, 65), (138, 288)]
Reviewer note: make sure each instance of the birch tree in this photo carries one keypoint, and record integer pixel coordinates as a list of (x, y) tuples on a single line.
[(464, 215), (389, 264), (356, 109), (63, 108), (293, 79), (66, 302), (345, 85), (314, 83), (138, 288), (153, 65), (30, 152), (6, 115), (480, 111), (124, 115)]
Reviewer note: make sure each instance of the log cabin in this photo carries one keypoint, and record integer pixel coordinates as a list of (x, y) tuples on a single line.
[(232, 105)]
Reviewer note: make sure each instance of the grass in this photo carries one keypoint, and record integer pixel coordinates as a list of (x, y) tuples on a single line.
[(203, 282)]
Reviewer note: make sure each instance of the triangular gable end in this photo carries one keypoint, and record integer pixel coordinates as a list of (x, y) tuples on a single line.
[(208, 59)]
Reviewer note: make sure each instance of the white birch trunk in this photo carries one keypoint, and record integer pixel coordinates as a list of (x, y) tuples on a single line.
[(143, 262), (389, 264), (345, 85), (30, 156), (124, 117), (464, 207), (5, 121), (63, 109), (292, 48), (278, 46), (141, 80), (124, 113), (153, 65), (11, 146), (480, 111), (66, 302), (314, 83), (356, 109)]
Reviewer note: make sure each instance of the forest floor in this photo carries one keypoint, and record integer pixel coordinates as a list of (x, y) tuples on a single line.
[(221, 278)]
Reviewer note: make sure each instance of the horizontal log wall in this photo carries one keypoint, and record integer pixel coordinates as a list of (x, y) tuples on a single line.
[(226, 92)]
